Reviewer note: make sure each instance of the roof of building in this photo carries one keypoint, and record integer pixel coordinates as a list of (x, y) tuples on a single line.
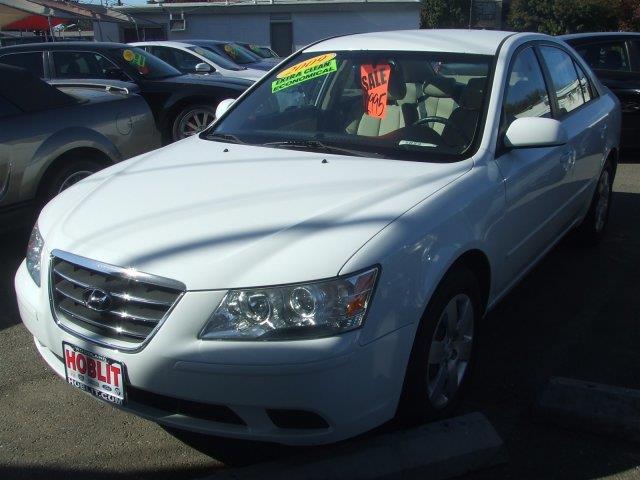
[(483, 42), (260, 4)]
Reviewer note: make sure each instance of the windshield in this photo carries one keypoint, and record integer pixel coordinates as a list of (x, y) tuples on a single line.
[(219, 60), (142, 65), (262, 52), (235, 53), (406, 105)]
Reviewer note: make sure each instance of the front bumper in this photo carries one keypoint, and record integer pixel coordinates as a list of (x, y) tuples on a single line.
[(352, 387)]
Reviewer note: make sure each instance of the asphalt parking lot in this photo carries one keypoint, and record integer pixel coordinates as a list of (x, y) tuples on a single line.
[(576, 315)]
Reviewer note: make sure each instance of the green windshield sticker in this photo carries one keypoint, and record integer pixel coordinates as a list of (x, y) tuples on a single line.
[(134, 58), (304, 75)]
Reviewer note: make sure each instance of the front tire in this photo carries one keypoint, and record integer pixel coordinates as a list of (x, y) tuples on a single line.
[(68, 174), (443, 351), (192, 120)]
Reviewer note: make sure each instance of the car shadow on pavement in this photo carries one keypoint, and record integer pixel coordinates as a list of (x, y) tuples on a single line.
[(576, 315), (13, 247)]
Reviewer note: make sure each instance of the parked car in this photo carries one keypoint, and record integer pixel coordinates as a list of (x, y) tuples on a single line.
[(615, 58), (261, 50), (181, 104), (51, 138), (194, 59), (237, 54), (323, 260)]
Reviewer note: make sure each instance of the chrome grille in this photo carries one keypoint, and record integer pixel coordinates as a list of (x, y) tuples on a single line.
[(112, 306)]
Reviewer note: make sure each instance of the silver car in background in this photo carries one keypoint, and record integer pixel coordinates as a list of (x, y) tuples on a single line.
[(53, 136)]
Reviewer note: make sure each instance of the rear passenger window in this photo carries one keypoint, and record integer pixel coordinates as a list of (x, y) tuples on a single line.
[(564, 79), (606, 56), (587, 92), (81, 65), (526, 94), (31, 61)]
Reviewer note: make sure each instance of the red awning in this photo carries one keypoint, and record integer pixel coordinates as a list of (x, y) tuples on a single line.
[(34, 22)]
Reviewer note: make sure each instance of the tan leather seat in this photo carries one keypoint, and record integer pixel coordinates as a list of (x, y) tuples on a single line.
[(438, 99)]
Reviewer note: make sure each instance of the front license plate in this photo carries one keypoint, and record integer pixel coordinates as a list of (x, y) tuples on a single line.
[(100, 376)]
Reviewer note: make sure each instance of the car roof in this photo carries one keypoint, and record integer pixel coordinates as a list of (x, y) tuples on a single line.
[(63, 46), (572, 36), (483, 42), (207, 42), (162, 43), (588, 36)]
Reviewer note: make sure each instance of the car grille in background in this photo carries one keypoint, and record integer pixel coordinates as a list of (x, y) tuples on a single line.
[(133, 306)]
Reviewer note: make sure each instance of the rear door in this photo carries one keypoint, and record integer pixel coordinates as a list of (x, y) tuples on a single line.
[(534, 177)]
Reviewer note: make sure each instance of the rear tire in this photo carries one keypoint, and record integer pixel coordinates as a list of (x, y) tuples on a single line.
[(591, 231), (443, 352)]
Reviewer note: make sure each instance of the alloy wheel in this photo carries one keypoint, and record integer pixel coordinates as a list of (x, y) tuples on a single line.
[(195, 121), (450, 351), (602, 203), (74, 178)]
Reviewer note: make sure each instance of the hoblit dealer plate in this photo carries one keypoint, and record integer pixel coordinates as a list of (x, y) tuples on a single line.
[(100, 376)]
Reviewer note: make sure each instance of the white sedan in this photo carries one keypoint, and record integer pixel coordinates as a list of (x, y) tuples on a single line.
[(191, 59), (317, 262)]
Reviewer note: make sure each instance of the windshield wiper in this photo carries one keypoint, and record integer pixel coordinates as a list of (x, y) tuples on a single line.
[(224, 137), (319, 146)]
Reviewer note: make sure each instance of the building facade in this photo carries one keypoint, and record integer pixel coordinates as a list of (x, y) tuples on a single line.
[(285, 25)]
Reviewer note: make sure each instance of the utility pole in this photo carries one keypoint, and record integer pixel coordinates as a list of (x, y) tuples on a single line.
[(470, 12)]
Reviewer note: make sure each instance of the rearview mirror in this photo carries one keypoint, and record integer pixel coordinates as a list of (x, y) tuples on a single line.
[(535, 132), (203, 68), (223, 106)]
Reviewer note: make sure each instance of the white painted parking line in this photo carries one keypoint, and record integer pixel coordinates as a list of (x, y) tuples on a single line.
[(439, 450)]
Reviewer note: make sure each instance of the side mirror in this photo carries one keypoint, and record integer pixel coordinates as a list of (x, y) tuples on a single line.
[(535, 132), (203, 68), (223, 106)]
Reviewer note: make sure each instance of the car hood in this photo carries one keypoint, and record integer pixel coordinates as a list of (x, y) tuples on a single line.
[(217, 216)]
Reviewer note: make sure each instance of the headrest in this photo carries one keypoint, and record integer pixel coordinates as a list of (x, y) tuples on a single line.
[(397, 87), (473, 94), (440, 87)]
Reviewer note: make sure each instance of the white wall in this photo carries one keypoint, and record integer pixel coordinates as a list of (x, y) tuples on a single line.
[(307, 26), (313, 26)]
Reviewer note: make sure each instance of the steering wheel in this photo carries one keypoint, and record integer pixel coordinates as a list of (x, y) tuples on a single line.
[(446, 122)]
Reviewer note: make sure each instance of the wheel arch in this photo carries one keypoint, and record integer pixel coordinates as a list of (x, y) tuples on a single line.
[(88, 153), (478, 262)]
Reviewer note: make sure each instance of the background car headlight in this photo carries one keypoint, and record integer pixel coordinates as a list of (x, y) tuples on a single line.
[(292, 312), (34, 254)]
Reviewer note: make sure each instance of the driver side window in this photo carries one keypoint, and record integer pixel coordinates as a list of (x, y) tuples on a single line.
[(526, 94)]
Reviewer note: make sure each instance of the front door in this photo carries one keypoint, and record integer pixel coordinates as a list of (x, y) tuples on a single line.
[(533, 177)]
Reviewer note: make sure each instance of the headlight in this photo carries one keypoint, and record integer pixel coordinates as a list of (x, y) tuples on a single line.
[(34, 254), (292, 312)]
